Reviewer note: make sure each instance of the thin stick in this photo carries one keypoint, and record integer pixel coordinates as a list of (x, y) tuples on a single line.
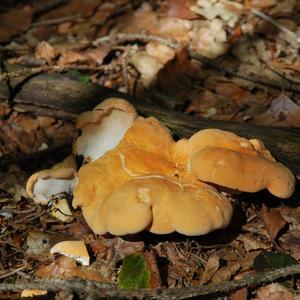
[(274, 23), (56, 20), (37, 70), (85, 288)]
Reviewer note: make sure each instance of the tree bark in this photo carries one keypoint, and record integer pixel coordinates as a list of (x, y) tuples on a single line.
[(64, 96)]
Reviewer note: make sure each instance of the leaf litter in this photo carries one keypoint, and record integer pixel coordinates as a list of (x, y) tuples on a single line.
[(250, 38)]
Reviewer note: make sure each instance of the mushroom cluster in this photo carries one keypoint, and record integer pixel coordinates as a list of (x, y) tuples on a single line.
[(133, 170)]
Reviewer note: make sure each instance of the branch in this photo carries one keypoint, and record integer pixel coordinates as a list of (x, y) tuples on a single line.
[(64, 96), (93, 289)]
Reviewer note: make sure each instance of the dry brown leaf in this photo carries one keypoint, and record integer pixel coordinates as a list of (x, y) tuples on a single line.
[(142, 19), (273, 220), (45, 51), (84, 7), (39, 244), (275, 291), (65, 267), (291, 215), (295, 66), (181, 9), (71, 57), (225, 273), (262, 4), (98, 54), (282, 112), (241, 294), (147, 65), (114, 249), (247, 262), (161, 52), (231, 90), (211, 268), (99, 248), (283, 7), (64, 28), (155, 281), (174, 79), (252, 243), (291, 243), (14, 22)]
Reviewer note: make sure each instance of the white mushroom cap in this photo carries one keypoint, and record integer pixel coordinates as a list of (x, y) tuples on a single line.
[(73, 249), (61, 178), (103, 128)]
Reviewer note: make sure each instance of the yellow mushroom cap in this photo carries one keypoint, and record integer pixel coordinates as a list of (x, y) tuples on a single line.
[(221, 139), (136, 185), (242, 172), (33, 293), (73, 249), (163, 206)]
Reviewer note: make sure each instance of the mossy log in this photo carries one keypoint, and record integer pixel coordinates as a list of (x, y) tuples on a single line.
[(64, 96)]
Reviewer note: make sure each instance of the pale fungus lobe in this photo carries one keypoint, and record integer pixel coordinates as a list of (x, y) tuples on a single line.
[(30, 293), (223, 158), (136, 177), (74, 249), (138, 185), (103, 128), (60, 179), (163, 206)]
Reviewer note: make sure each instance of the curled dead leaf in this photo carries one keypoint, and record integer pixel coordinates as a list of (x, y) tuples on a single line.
[(273, 220), (253, 243), (45, 51), (147, 65), (182, 9), (282, 112), (211, 268), (65, 267), (225, 273), (241, 294)]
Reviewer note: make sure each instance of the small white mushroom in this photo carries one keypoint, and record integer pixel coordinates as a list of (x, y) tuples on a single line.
[(73, 249), (53, 187)]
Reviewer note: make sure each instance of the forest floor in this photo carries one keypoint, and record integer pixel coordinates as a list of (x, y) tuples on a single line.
[(221, 60)]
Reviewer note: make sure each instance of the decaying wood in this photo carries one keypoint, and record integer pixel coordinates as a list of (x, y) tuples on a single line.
[(93, 290), (64, 96)]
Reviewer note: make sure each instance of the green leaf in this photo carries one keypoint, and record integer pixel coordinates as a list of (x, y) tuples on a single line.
[(82, 78), (134, 273), (270, 260)]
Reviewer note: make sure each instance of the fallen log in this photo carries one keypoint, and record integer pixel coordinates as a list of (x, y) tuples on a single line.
[(65, 95)]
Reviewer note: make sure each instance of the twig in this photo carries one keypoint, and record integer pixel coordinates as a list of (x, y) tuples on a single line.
[(124, 37), (274, 23), (282, 85), (37, 70), (129, 37), (48, 5), (55, 21), (85, 288), (11, 272)]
